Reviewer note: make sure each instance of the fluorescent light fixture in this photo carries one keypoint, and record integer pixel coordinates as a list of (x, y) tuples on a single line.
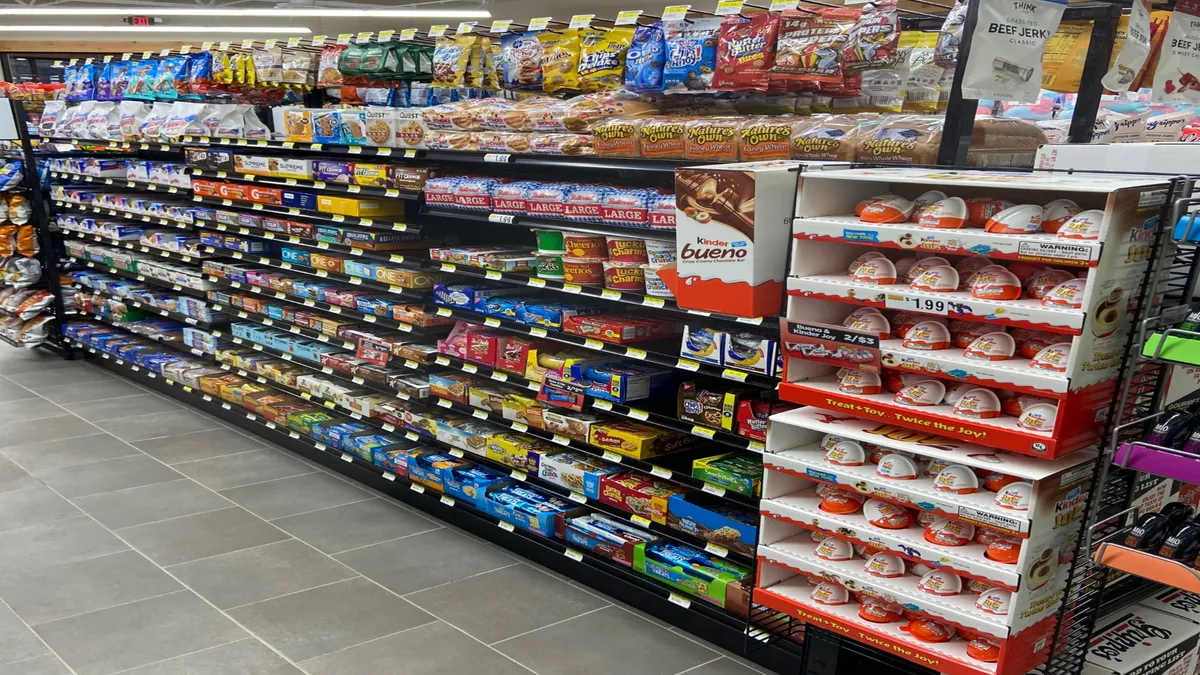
[(302, 12), (67, 28)]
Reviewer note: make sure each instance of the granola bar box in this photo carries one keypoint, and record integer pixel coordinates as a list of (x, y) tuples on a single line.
[(576, 471), (714, 519), (639, 493), (604, 536)]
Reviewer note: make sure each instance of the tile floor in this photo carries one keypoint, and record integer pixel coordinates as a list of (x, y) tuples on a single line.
[(142, 537)]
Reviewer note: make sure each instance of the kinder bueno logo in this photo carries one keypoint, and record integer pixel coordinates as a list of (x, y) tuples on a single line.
[(714, 249), (1123, 637)]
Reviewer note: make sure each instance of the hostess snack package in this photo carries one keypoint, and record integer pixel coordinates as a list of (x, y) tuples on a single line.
[(122, 77), (170, 79), (645, 59), (691, 49), (945, 53), (746, 52), (155, 120), (602, 60)]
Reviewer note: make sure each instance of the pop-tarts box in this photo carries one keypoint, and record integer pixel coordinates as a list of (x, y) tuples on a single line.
[(1138, 640)]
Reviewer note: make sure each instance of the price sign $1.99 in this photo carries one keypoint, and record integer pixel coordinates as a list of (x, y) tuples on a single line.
[(917, 303)]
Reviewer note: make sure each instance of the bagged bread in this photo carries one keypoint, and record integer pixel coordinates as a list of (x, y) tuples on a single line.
[(617, 137), (902, 140), (712, 139), (832, 137)]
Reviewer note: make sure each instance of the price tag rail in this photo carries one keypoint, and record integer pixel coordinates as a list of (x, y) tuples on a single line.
[(151, 309), (194, 292), (306, 214), (122, 182), (314, 185), (127, 215), (493, 219), (141, 248)]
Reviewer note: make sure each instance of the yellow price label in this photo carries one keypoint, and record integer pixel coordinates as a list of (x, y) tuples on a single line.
[(581, 20), (438, 31), (386, 35), (675, 12), (501, 25), (408, 34), (539, 23), (727, 7)]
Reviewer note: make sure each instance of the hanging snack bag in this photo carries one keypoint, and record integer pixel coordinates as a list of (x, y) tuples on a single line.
[(809, 48), (1177, 77), (328, 74), (104, 82), (133, 115), (1005, 62), (691, 48), (602, 58), (521, 54), (450, 59), (121, 78), (268, 65), (143, 79), (922, 87), (945, 53), (560, 60), (1134, 51), (156, 119), (644, 62), (874, 38), (169, 79), (746, 52), (86, 87)]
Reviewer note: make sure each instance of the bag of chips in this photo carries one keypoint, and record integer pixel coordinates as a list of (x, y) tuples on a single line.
[(746, 52), (809, 47), (328, 72), (602, 58), (27, 241), (691, 55), (645, 59)]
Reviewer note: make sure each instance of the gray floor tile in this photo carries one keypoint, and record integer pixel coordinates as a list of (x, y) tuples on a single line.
[(126, 406), (571, 647), (92, 390), (524, 597), (342, 528), (13, 477), (37, 458), (423, 560), (29, 507), (39, 665), (299, 494), (205, 534), (722, 666), (433, 649), (244, 657), (54, 543), (45, 429), (29, 409), (60, 591), (114, 474), (17, 642), (260, 573), (321, 620), (11, 391), (220, 473), (155, 425), (197, 445), (151, 503), (34, 361), (38, 380), (128, 636)]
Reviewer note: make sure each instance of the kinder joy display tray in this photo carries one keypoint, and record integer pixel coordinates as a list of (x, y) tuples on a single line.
[(1063, 298), (731, 233)]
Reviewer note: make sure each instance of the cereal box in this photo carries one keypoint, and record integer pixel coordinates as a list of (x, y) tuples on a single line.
[(638, 493)]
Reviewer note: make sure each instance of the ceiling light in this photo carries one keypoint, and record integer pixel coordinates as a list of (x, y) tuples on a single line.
[(306, 12), (62, 28)]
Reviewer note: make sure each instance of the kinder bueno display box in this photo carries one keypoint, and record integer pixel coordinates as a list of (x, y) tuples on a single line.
[(733, 224)]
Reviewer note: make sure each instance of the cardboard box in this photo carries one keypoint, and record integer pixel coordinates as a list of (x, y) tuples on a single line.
[(575, 471), (348, 206), (1144, 641), (638, 493), (604, 536)]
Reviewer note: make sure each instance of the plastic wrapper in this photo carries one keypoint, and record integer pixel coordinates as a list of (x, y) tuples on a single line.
[(35, 331), (328, 74), (945, 53), (1134, 50), (645, 59), (810, 45), (29, 303), (1177, 76), (20, 272), (19, 210), (199, 74), (691, 55), (1006, 50), (450, 59), (922, 87), (168, 81), (521, 55), (560, 59), (27, 241), (133, 115), (746, 52), (602, 61), (874, 38)]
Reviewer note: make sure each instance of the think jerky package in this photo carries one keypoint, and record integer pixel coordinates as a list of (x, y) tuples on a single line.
[(1134, 50), (691, 55), (746, 52), (1005, 62), (873, 39), (1177, 77), (644, 62), (810, 45)]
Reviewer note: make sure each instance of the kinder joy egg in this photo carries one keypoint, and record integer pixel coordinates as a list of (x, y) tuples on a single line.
[(922, 394), (1043, 281), (928, 630), (885, 565), (886, 515), (816, 536), (1084, 226), (1015, 496), (860, 382), (996, 482), (869, 255), (922, 265), (928, 336), (1004, 550), (865, 552), (846, 453), (979, 403), (947, 532), (975, 586), (841, 502), (996, 285), (947, 214), (896, 467), (830, 594), (905, 264), (968, 266), (956, 391), (834, 549), (1023, 269), (1057, 213), (1020, 219), (925, 202), (823, 490), (876, 271), (981, 209), (880, 611), (829, 441), (875, 452), (1030, 342), (897, 381), (958, 479), (861, 206), (889, 210), (1067, 295), (963, 333), (940, 582), (930, 468), (919, 569), (1038, 417), (940, 279), (998, 346), (902, 322), (926, 518), (986, 269), (995, 601), (983, 649), (1054, 357), (870, 320)]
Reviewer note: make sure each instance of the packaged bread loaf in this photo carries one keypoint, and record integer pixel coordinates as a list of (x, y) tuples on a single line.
[(912, 139), (712, 139), (1004, 142), (764, 138), (831, 137), (662, 138), (617, 137)]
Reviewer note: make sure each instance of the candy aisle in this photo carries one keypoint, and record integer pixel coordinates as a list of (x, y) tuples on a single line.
[(681, 349)]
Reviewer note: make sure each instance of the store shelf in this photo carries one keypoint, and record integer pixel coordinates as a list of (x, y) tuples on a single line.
[(1000, 432), (1024, 313), (127, 215), (122, 182), (315, 185), (86, 144), (198, 292), (191, 321), (803, 509), (627, 351), (494, 219), (140, 248), (1013, 374), (1158, 460), (1035, 247), (302, 214), (177, 345), (1178, 346), (1148, 566), (950, 658)]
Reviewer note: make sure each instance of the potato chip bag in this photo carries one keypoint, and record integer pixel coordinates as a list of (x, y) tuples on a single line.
[(874, 38)]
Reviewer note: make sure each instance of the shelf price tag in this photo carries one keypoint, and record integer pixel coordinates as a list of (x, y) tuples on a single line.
[(386, 35), (498, 157), (505, 525), (757, 446), (637, 414), (688, 364), (716, 549), (675, 12), (581, 21), (318, 40), (419, 489), (344, 38), (628, 17), (634, 352), (389, 476), (501, 25), (784, 5), (408, 34), (731, 374), (448, 501), (713, 489), (519, 475), (561, 440), (727, 7), (573, 554), (703, 432), (916, 303), (679, 600), (540, 23), (660, 472), (363, 37), (464, 28), (438, 31), (506, 218), (612, 456), (640, 520)]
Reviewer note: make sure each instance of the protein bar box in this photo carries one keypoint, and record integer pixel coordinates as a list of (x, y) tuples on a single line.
[(1138, 640)]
